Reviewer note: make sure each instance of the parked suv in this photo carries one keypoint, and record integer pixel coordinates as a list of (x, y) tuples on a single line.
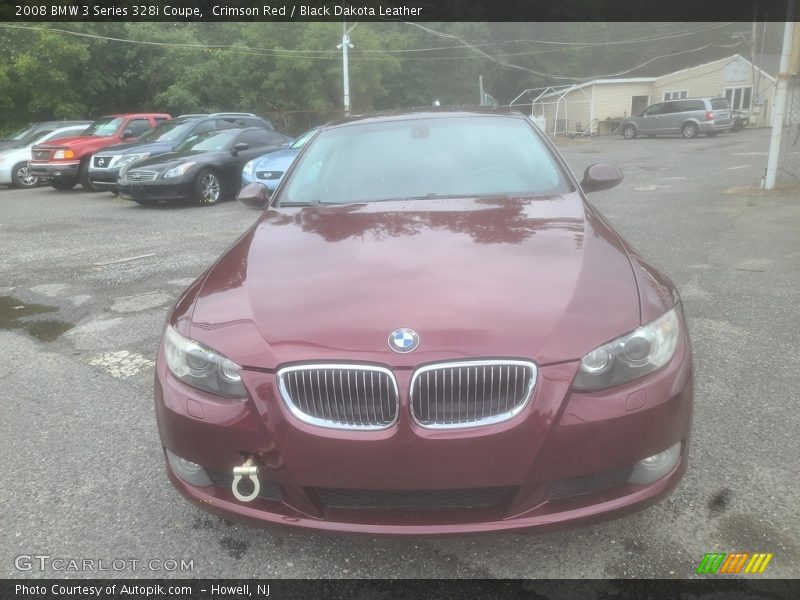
[(66, 163), (105, 167), (687, 117)]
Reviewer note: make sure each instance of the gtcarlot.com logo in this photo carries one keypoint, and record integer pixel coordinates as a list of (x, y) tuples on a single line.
[(45, 562), (736, 562)]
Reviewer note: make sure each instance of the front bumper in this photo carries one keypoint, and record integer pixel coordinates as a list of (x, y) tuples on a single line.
[(179, 189), (104, 178), (66, 170), (560, 436)]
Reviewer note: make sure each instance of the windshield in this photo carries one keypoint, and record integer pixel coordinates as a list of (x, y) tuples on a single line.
[(34, 136), (424, 158), (210, 141), (167, 131), (105, 126), (301, 141), (20, 133)]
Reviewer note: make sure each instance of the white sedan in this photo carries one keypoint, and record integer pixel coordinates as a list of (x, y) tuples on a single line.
[(14, 169)]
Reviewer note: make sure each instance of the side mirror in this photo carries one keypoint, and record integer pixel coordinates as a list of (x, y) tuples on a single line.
[(128, 133), (600, 177), (254, 195), (240, 147)]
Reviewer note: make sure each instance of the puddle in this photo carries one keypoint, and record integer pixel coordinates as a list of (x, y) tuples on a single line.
[(17, 314)]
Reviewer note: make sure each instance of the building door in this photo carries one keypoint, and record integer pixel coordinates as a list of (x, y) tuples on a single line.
[(638, 104), (739, 97)]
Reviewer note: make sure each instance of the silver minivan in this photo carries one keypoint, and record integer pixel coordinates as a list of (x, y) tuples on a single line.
[(687, 117)]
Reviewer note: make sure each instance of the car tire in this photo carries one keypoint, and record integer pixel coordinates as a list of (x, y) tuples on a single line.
[(629, 132), (689, 130), (207, 188), (21, 176), (83, 178), (63, 184)]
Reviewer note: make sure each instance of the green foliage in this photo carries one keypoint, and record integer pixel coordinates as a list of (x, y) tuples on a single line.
[(292, 72)]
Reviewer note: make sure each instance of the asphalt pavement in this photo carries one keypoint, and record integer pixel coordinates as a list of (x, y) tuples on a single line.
[(85, 283)]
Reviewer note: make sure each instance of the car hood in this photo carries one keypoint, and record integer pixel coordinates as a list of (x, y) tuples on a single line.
[(77, 141), (544, 279), (138, 147), (276, 161), (173, 159)]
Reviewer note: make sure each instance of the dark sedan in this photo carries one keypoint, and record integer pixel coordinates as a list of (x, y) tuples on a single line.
[(206, 168), (430, 330)]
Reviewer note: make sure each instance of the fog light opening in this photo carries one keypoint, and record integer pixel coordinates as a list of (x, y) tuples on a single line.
[(655, 467), (190, 472)]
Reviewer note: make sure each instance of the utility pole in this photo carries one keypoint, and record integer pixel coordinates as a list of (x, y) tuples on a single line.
[(345, 46), (779, 106)]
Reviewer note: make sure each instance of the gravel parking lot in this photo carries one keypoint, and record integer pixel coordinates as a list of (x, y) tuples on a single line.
[(86, 280)]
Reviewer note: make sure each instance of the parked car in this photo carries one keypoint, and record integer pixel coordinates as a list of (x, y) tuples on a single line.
[(687, 117), (31, 130), (105, 165), (430, 330), (66, 163), (205, 168), (741, 119), (14, 169), (269, 169)]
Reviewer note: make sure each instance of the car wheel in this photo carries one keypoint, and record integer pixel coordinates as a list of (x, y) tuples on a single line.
[(63, 184), (689, 130), (207, 188), (629, 132), (21, 176), (83, 177)]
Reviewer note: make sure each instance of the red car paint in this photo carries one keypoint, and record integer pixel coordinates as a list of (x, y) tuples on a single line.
[(545, 280), (83, 147)]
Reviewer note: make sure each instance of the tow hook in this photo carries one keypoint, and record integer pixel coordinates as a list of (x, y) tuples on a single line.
[(248, 470)]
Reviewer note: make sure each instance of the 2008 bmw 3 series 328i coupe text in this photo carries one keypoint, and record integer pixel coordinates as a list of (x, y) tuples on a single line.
[(428, 331)]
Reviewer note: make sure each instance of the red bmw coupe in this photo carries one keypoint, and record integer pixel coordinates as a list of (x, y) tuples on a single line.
[(428, 331)]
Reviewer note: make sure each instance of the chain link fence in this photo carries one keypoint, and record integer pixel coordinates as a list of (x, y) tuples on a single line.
[(789, 155)]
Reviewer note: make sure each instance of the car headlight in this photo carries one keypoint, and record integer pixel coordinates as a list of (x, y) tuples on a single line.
[(271, 174), (178, 171), (621, 360), (201, 367), (64, 154), (126, 159), (248, 168)]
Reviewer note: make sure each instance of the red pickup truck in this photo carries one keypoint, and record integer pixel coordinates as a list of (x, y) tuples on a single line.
[(66, 162)]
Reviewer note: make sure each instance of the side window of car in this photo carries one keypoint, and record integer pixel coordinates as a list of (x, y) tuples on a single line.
[(161, 120), (670, 107), (693, 105), (654, 110), (276, 139), (138, 126), (254, 138), (64, 134), (204, 127), (229, 124)]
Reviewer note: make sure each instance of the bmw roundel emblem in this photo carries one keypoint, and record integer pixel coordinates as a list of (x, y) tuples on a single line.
[(403, 340)]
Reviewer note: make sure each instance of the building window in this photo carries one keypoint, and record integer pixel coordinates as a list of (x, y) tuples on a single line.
[(676, 94), (739, 97)]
